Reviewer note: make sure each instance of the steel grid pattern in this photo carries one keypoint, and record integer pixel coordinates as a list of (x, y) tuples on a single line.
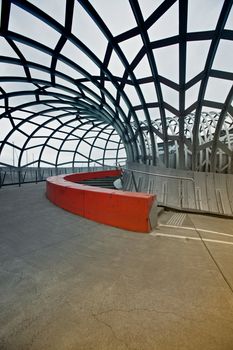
[(63, 104), (208, 124)]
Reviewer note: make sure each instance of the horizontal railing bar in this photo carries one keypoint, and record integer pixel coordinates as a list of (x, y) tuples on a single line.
[(161, 175)]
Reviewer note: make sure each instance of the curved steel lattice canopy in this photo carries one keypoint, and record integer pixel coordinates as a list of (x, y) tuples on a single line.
[(96, 82)]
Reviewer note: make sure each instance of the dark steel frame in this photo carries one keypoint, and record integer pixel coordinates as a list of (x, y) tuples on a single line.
[(103, 111)]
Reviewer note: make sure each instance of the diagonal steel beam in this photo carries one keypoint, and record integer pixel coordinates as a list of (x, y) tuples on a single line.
[(210, 58), (213, 158)]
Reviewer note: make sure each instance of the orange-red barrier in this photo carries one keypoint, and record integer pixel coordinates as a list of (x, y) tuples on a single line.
[(121, 209)]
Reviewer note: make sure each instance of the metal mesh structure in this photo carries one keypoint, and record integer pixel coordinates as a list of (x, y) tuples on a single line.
[(208, 122), (100, 82)]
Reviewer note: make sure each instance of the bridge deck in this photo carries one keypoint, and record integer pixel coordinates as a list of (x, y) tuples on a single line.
[(69, 283)]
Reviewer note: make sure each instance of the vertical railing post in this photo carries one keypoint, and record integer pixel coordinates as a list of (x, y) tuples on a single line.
[(19, 177), (181, 194), (134, 181), (3, 178), (24, 176)]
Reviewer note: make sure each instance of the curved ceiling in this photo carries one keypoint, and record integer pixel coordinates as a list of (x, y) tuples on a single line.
[(99, 81)]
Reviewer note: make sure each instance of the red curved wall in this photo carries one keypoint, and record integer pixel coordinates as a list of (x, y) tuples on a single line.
[(121, 209)]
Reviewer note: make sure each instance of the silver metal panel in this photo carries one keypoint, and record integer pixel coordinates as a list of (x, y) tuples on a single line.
[(207, 192), (157, 187), (151, 185), (173, 199), (198, 198), (164, 194), (222, 194), (211, 193), (229, 188), (201, 195), (140, 184), (188, 195), (145, 183), (153, 215)]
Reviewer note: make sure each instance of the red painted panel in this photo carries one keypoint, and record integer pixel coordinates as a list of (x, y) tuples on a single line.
[(121, 209)]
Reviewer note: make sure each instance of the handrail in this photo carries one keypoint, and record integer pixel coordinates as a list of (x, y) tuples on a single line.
[(161, 175), (10, 175)]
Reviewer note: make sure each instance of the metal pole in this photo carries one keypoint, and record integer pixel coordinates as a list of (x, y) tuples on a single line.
[(3, 178), (181, 194), (134, 182), (13, 153), (19, 178), (24, 176)]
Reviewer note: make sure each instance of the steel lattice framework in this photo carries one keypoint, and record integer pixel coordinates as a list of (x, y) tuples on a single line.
[(208, 123), (67, 100)]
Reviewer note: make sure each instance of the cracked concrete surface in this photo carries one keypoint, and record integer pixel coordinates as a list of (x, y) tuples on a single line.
[(69, 283)]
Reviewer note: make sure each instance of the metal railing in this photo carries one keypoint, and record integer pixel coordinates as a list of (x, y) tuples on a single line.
[(157, 174), (175, 177), (19, 176)]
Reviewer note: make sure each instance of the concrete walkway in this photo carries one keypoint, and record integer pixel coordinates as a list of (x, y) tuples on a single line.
[(67, 283)]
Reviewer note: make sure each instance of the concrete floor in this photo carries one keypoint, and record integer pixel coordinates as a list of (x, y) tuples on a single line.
[(68, 283)]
